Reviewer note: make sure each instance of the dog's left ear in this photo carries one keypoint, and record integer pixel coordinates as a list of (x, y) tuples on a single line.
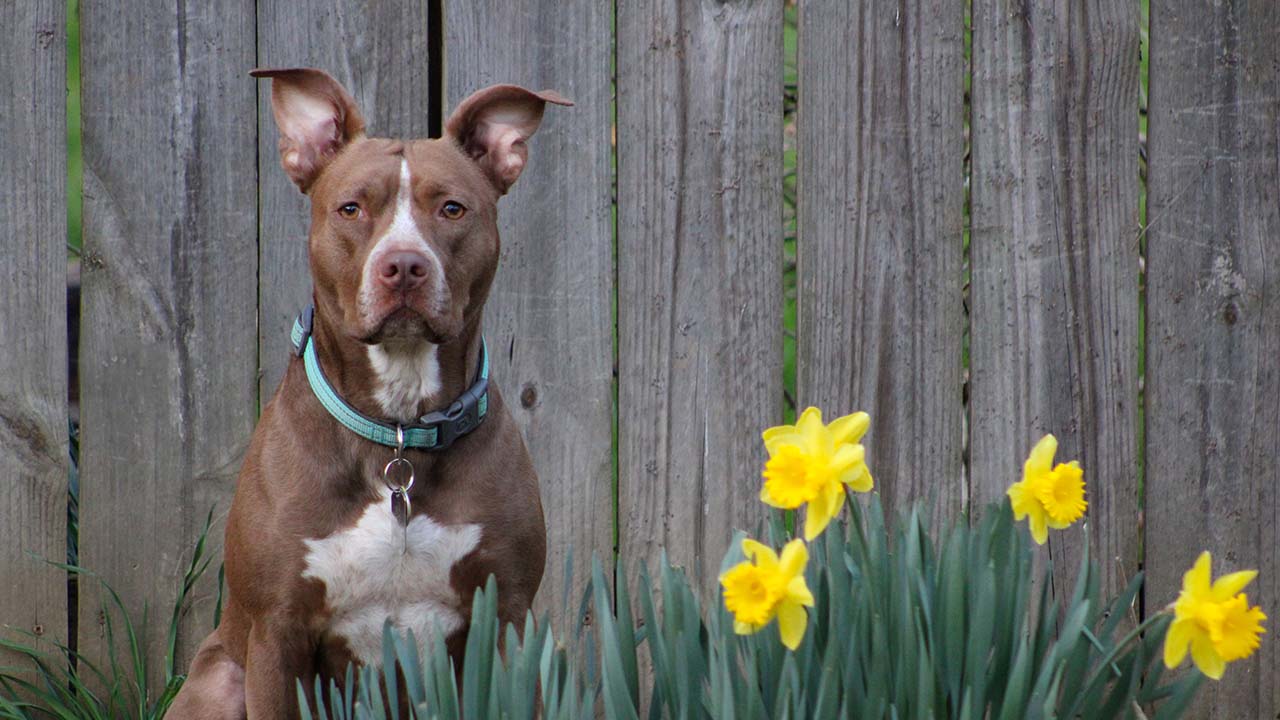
[(493, 126)]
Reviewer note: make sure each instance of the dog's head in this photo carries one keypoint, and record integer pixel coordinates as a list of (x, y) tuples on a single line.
[(404, 233)]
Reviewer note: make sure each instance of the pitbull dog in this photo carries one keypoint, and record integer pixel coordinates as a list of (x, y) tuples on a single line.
[(386, 479)]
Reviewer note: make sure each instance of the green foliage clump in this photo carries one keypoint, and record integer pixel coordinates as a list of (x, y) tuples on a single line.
[(58, 682), (903, 627), (530, 677)]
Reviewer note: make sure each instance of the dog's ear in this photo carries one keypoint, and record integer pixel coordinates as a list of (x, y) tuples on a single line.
[(316, 117), (493, 125)]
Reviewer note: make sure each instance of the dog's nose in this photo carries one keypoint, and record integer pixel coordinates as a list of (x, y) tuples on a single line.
[(403, 270)]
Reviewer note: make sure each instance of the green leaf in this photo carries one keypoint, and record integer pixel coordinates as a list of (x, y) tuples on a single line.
[(389, 679), (1014, 702), (627, 637), (617, 697), (1183, 693), (478, 664), (304, 706)]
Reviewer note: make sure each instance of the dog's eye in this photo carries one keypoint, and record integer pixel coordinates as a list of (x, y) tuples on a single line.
[(453, 210), (349, 211)]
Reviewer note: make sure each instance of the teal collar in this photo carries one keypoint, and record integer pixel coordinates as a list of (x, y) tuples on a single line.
[(436, 430)]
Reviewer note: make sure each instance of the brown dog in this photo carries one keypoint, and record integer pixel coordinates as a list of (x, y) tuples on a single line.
[(322, 545)]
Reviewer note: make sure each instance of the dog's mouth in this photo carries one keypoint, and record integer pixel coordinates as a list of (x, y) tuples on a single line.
[(402, 322)]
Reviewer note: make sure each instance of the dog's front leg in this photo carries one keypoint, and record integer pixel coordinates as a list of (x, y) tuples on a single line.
[(281, 652)]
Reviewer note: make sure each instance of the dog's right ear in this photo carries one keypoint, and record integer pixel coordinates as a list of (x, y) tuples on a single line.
[(316, 117)]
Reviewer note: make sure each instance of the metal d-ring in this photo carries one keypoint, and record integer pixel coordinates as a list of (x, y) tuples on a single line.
[(386, 474)]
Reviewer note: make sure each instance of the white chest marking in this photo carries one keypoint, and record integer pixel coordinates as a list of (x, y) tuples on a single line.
[(406, 375), (370, 576)]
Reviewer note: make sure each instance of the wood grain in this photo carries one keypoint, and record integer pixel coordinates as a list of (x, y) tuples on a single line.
[(1055, 260), (381, 53), (33, 322), (169, 300), (699, 275), (1213, 330), (549, 320), (880, 142)]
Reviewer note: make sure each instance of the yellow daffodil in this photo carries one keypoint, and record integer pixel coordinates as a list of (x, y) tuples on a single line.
[(1049, 496), (765, 586), (1213, 620), (811, 463)]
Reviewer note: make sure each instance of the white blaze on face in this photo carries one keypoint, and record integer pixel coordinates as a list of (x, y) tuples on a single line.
[(407, 372), (403, 234), (371, 575)]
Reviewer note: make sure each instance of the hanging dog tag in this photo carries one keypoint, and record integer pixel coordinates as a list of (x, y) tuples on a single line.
[(400, 506), (398, 476)]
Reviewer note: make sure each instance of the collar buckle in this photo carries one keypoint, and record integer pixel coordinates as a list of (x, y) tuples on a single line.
[(453, 422)]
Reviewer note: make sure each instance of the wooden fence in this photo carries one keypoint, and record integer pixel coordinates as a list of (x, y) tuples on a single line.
[(966, 334)]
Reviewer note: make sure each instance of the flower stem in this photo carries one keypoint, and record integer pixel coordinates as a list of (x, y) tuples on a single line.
[(1109, 659), (1115, 669)]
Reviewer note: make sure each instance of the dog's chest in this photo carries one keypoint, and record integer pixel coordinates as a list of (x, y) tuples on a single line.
[(377, 570)]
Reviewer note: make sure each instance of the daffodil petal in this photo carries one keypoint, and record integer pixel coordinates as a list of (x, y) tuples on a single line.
[(1019, 500), (820, 511), (759, 553), (836, 496), (816, 439), (847, 457), (742, 628), (1039, 526), (1196, 580), (1206, 658), (858, 479), (850, 428), (794, 557), (1177, 642), (810, 417), (1041, 458), (792, 620), (798, 591), (766, 498), (1226, 587), (776, 437)]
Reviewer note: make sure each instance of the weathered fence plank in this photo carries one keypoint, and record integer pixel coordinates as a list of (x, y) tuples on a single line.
[(699, 274), (549, 319), (33, 340), (1055, 260), (381, 54), (880, 141), (170, 286), (1213, 331)]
